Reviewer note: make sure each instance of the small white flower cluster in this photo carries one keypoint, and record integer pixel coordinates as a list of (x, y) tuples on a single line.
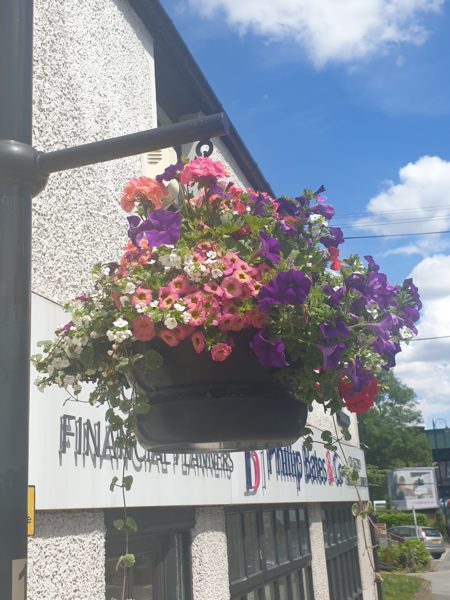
[(120, 332), (318, 224)]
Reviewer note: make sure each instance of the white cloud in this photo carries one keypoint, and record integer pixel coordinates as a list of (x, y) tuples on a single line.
[(418, 203), (329, 30), (425, 365)]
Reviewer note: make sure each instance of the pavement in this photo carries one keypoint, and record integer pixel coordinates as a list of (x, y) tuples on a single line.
[(440, 577)]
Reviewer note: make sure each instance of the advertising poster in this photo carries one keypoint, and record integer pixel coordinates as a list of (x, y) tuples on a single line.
[(413, 488)]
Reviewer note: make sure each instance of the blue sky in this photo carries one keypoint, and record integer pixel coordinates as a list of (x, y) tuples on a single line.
[(355, 96)]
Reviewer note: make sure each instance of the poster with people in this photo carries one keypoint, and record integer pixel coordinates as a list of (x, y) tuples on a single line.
[(413, 488)]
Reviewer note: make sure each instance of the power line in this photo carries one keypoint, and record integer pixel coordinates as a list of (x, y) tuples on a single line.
[(386, 235), (437, 337)]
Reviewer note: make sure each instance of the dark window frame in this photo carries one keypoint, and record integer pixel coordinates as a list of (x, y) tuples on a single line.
[(343, 568), (270, 575)]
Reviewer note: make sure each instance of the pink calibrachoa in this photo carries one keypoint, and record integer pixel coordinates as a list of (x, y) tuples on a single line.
[(170, 337), (141, 296), (143, 328), (198, 341), (220, 352)]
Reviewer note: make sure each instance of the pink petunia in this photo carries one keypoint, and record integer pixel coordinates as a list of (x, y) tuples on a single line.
[(231, 262), (232, 287), (143, 328), (198, 341), (167, 297), (180, 285), (213, 288), (141, 296), (170, 337), (220, 352)]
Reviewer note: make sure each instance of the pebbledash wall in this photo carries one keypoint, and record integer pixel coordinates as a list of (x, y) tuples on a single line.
[(95, 78)]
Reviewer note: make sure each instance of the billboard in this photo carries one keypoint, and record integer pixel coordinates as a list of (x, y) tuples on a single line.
[(413, 488)]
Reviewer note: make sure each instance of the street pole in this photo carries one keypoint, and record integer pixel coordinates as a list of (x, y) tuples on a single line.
[(24, 172), (16, 47)]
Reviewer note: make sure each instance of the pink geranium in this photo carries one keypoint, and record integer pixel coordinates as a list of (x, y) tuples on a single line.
[(142, 188), (143, 328), (200, 168), (220, 352), (198, 341)]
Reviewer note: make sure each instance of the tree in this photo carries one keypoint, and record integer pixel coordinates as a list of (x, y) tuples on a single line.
[(391, 430)]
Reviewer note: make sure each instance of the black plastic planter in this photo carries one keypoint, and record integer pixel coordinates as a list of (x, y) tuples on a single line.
[(198, 405)]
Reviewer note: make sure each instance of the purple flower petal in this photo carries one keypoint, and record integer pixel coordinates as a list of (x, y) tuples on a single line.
[(270, 248), (330, 331), (270, 353), (331, 355), (288, 287)]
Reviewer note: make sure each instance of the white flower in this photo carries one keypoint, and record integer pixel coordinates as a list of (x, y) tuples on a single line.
[(86, 320), (129, 288), (211, 254), (124, 300), (186, 317), (179, 307), (69, 380), (154, 303), (406, 333), (120, 322), (170, 323), (216, 273)]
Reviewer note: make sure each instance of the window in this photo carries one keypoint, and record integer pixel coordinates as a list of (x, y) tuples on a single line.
[(162, 570), (341, 547), (269, 554)]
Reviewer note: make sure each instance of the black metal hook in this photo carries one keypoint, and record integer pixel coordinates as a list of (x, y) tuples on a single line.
[(199, 148)]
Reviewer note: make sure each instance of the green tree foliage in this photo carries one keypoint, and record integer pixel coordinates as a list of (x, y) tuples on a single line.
[(391, 432)]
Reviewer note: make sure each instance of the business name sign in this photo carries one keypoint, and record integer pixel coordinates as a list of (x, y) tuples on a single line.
[(73, 459)]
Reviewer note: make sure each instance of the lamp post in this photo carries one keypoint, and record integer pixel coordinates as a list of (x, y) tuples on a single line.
[(23, 173)]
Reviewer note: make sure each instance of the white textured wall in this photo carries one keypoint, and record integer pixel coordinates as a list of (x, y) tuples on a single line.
[(210, 556), (366, 560), (318, 558), (93, 79), (66, 557)]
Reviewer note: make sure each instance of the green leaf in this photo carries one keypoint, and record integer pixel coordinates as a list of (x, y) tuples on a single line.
[(152, 360), (131, 524), (113, 483), (127, 482), (119, 524), (87, 357), (126, 560)]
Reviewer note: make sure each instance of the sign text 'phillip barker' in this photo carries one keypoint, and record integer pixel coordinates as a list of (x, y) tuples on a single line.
[(300, 466), (95, 441)]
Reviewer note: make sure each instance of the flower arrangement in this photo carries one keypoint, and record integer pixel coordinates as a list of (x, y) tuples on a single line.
[(221, 260)]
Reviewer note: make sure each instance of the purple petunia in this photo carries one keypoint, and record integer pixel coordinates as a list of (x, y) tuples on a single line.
[(326, 210), (338, 330), (331, 355), (270, 248), (288, 287), (170, 172), (160, 227), (334, 237), (270, 353)]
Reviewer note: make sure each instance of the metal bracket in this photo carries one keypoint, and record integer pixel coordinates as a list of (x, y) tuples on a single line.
[(19, 164)]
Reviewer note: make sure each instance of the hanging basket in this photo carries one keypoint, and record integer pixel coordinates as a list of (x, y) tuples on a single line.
[(199, 405)]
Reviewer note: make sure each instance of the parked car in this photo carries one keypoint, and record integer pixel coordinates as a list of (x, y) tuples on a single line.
[(432, 538)]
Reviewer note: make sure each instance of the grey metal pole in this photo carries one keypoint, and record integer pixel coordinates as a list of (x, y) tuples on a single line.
[(16, 45)]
